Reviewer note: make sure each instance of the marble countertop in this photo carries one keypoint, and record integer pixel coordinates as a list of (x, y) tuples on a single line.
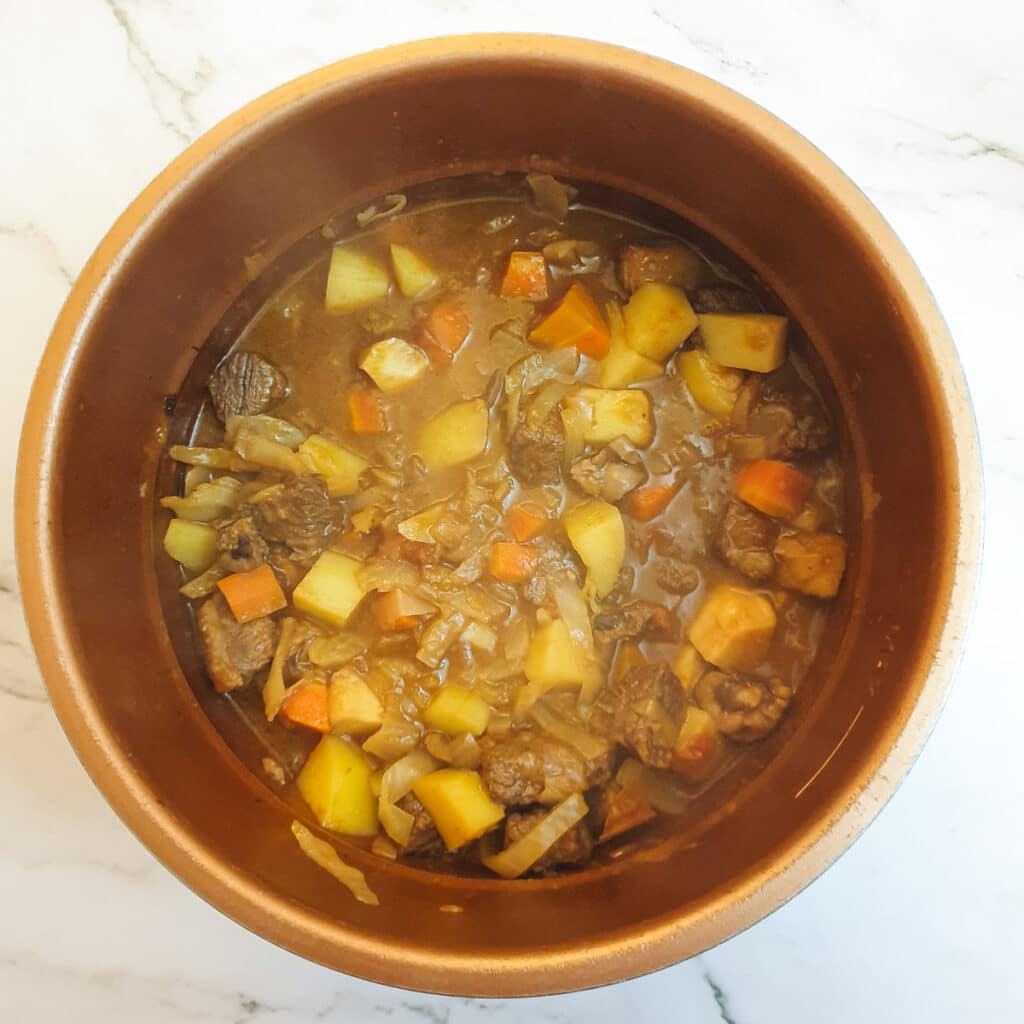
[(920, 101)]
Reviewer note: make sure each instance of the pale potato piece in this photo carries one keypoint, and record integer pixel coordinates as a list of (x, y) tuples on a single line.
[(354, 280), (733, 628), (746, 341), (393, 364)]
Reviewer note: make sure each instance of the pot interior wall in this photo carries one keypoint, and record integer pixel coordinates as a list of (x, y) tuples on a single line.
[(345, 145)]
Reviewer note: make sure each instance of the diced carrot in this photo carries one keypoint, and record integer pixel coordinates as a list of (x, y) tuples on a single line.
[(444, 331), (627, 657), (252, 595), (366, 411), (512, 563), (647, 502), (526, 277), (398, 609), (774, 488), (305, 704), (575, 323), (525, 522)]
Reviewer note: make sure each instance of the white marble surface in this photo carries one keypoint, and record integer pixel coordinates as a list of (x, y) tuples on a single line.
[(922, 102)]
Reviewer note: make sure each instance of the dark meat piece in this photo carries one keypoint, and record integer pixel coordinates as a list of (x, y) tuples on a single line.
[(641, 620), (423, 839), (665, 264), (535, 456), (789, 415), (527, 767), (676, 575), (743, 709), (233, 651), (246, 384), (643, 711), (400, 549), (610, 473), (619, 807), (574, 847), (744, 538), (300, 515), (554, 561), (242, 546), (723, 298)]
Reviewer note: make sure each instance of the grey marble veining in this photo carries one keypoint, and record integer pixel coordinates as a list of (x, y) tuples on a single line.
[(922, 103)]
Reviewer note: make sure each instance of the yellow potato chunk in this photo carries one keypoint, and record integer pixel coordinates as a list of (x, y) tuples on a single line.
[(331, 589), (553, 660), (612, 414), (713, 387), (687, 667), (458, 803), (454, 710), (454, 436), (659, 318), (352, 707), (812, 563), (733, 628), (623, 366), (194, 545), (340, 467), (354, 280), (414, 274), (596, 531), (698, 746), (747, 341), (335, 782), (393, 364)]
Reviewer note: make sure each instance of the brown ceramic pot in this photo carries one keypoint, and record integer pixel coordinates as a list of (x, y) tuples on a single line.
[(173, 264)]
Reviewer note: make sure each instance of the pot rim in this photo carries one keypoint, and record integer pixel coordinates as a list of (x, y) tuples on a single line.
[(608, 958)]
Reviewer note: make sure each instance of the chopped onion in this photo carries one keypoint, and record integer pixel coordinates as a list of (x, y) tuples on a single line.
[(326, 856), (575, 613), (259, 450), (550, 196), (460, 751), (661, 792), (395, 738), (211, 458), (438, 637), (548, 396), (207, 502), (396, 822), (383, 847), (203, 584), (274, 688), (269, 427), (335, 651), (397, 203), (397, 780), (575, 418), (589, 745), (195, 476), (526, 851)]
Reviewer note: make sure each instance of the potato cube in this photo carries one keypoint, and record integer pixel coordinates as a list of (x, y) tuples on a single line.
[(713, 387), (354, 280), (554, 660), (733, 628), (414, 274), (352, 707), (687, 667), (194, 545), (612, 414), (393, 364), (331, 589), (340, 467), (454, 436), (747, 341), (698, 747), (335, 782), (623, 366), (458, 803), (812, 563), (659, 318), (596, 531), (454, 710)]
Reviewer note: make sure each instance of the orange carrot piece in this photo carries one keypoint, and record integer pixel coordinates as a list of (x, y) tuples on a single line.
[(525, 523), (774, 488), (444, 331), (575, 323), (252, 595), (526, 277), (366, 411), (305, 704), (512, 563), (398, 609), (647, 502)]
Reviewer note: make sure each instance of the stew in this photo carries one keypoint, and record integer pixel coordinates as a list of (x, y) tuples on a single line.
[(513, 523)]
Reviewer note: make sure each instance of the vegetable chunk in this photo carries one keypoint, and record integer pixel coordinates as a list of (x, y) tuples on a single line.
[(747, 341), (393, 364), (414, 274), (459, 804), (733, 628), (576, 323), (455, 710), (714, 387), (554, 660), (812, 563), (612, 414), (774, 488), (253, 595), (194, 545), (596, 531), (340, 467), (335, 782), (352, 707), (354, 280), (526, 277), (659, 318), (698, 747), (454, 436), (331, 589)]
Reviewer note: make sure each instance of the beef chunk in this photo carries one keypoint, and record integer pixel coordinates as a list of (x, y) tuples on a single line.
[(610, 473), (723, 298), (246, 384), (574, 847), (233, 651), (744, 709), (789, 415), (527, 767), (554, 561), (643, 711), (424, 838), (641, 620), (676, 575), (535, 456), (744, 538), (300, 515), (664, 264), (242, 547)]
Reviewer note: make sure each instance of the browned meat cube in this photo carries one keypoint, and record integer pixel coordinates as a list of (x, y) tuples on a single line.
[(246, 384), (233, 651), (641, 620), (744, 538), (300, 515), (536, 455)]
